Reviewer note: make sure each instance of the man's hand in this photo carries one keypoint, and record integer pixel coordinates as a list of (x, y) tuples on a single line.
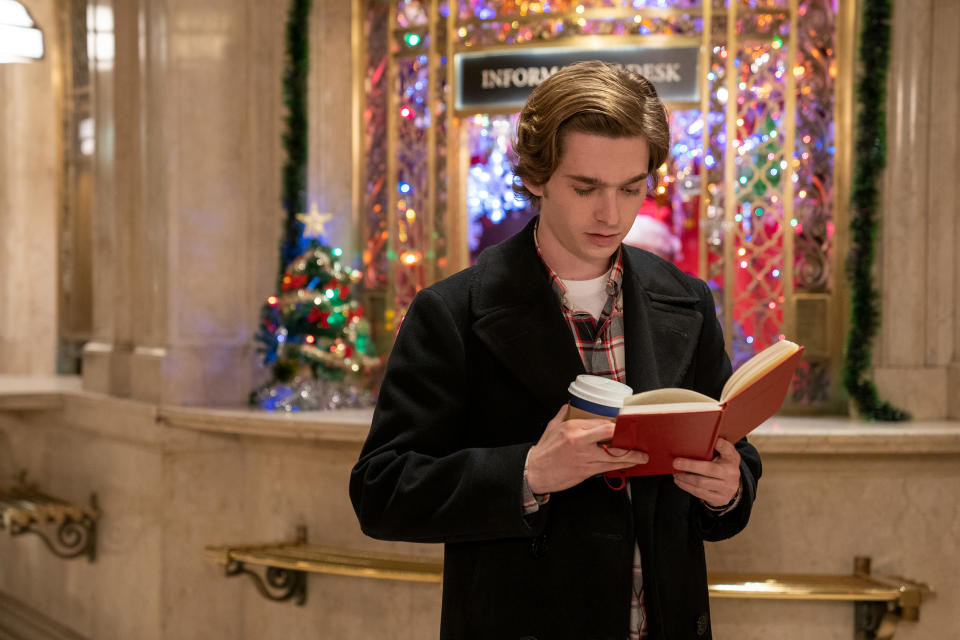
[(715, 482), (568, 453)]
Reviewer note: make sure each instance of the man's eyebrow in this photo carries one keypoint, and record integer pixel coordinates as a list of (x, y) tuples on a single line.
[(597, 182)]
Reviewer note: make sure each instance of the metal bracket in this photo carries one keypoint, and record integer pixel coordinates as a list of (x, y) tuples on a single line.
[(27, 510), (874, 620), (73, 538), (878, 620), (278, 583)]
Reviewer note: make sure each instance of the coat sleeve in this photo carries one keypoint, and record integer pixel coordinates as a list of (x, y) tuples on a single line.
[(415, 480), (712, 371)]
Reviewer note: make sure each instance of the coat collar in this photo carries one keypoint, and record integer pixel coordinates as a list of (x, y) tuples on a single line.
[(518, 317)]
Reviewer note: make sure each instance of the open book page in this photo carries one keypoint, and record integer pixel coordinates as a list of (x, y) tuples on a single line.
[(670, 407), (757, 366), (667, 396)]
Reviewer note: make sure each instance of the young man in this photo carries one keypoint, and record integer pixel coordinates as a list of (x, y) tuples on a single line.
[(469, 444)]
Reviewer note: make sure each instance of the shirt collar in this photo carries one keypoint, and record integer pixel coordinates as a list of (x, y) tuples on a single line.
[(614, 276)]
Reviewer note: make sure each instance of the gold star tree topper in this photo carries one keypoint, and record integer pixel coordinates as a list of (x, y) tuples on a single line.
[(314, 222)]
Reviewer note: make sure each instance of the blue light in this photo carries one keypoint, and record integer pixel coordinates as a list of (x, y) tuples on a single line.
[(775, 273), (403, 187), (338, 252), (749, 339)]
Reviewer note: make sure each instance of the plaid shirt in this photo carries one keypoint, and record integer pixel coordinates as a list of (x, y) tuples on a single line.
[(600, 343)]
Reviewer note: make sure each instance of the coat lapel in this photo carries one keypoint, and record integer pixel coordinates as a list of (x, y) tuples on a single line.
[(534, 343), (661, 325), (519, 319)]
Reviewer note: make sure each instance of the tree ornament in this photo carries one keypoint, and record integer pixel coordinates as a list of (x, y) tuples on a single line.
[(314, 223)]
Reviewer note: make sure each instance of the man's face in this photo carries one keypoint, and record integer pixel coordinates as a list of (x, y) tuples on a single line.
[(589, 203)]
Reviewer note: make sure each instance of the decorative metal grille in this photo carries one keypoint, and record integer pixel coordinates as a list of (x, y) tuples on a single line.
[(746, 193)]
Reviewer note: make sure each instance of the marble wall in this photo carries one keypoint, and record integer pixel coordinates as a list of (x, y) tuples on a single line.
[(918, 347), (172, 482)]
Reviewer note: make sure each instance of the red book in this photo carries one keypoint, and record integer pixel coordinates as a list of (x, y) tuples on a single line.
[(680, 423)]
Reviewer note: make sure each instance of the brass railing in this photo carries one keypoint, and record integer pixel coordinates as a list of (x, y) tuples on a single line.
[(880, 601)]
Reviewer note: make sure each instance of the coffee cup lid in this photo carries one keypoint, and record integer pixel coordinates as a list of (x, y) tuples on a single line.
[(600, 390)]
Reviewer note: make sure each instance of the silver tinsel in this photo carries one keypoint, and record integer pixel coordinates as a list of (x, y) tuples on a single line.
[(310, 394)]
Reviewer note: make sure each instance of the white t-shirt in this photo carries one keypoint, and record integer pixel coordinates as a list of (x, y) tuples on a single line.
[(587, 295)]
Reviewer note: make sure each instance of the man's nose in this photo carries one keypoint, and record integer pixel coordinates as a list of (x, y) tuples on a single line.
[(606, 210)]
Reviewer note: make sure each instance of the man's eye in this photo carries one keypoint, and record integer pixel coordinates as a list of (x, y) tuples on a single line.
[(583, 192), (632, 192)]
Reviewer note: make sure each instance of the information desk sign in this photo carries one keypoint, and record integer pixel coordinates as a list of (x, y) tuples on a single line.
[(501, 81)]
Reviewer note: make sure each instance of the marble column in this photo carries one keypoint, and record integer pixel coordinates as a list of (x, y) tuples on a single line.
[(29, 201), (917, 350), (106, 357), (187, 211)]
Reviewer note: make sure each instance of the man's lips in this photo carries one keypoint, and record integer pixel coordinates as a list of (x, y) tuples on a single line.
[(604, 237)]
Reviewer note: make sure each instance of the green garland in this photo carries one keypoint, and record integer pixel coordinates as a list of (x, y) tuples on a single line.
[(869, 161), (295, 135)]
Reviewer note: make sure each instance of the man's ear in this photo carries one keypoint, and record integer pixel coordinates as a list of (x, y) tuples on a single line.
[(535, 189)]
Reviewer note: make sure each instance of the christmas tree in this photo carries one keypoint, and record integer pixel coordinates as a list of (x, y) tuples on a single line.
[(315, 338)]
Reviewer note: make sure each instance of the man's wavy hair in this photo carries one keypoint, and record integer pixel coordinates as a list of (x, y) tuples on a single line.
[(590, 97)]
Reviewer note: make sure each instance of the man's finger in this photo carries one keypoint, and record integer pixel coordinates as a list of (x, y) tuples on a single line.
[(704, 483), (693, 488), (624, 463), (593, 430), (725, 448), (626, 458), (699, 467)]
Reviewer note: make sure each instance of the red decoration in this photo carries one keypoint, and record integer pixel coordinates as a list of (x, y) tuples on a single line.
[(323, 317), (294, 282)]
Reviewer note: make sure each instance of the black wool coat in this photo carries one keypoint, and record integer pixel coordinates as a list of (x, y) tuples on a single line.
[(480, 365)]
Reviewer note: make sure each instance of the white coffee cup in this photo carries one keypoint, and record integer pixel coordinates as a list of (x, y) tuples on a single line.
[(596, 397)]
